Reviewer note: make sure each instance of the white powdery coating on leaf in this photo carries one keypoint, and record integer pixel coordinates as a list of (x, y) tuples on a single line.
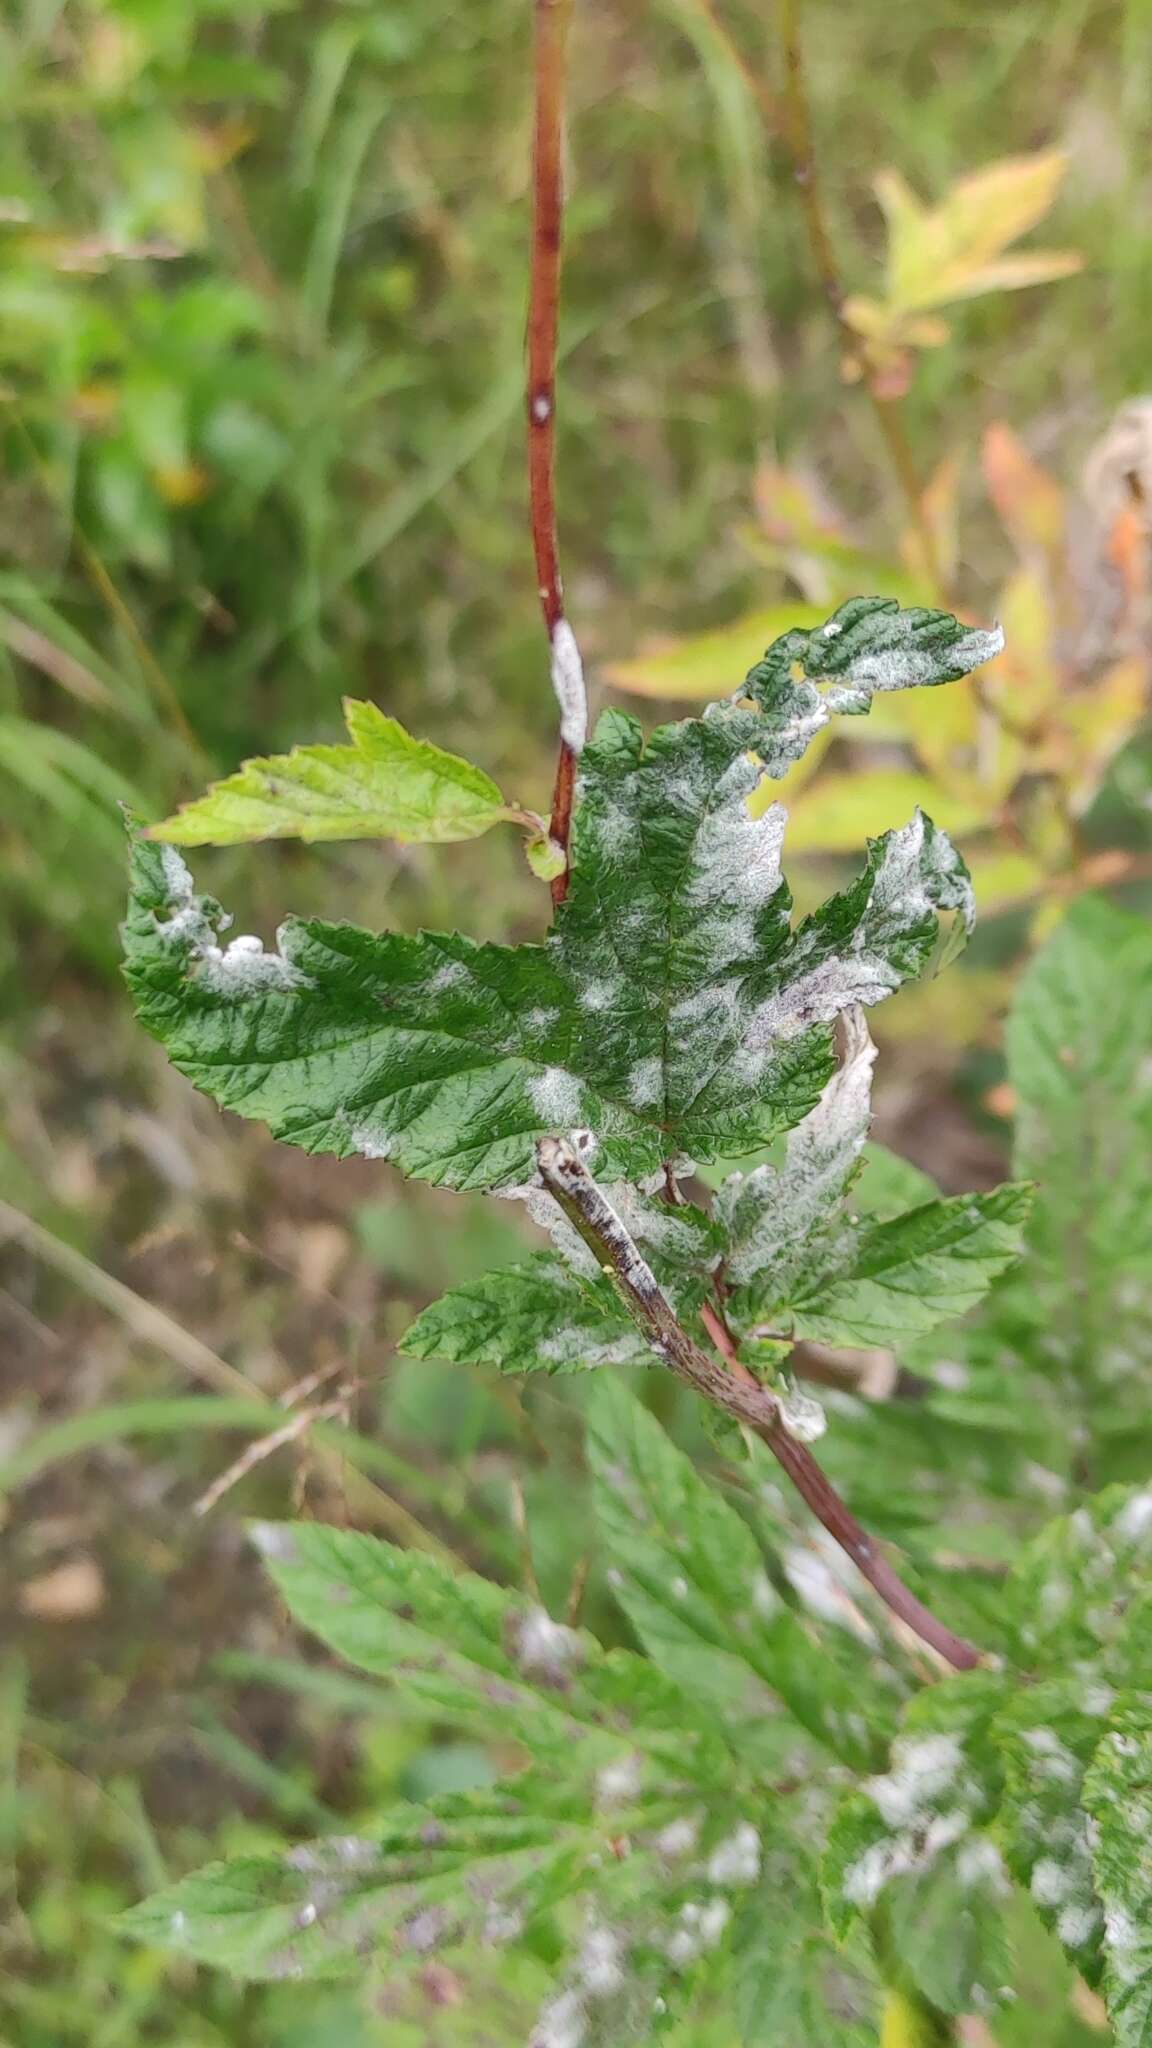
[(1128, 1945), (562, 2024), (544, 1648), (1053, 1883), (600, 995), (821, 1152), (240, 969), (571, 1345), (679, 1838), (600, 1965), (864, 973), (568, 683), (906, 665), (736, 1860), (922, 1769), (645, 1084), (736, 857), (1077, 1925), (979, 1863), (273, 1540), (557, 1098), (373, 1140), (1056, 1761), (1135, 1517), (913, 1850), (243, 969), (618, 1783), (699, 1928)]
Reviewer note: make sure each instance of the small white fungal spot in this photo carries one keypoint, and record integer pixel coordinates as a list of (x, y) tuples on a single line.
[(568, 683), (619, 1782), (921, 1770), (1053, 1883), (544, 1648), (736, 1860), (600, 1966), (372, 1141), (178, 1922), (557, 1097), (1135, 1517), (308, 1915), (646, 1082), (1076, 1925), (562, 2024), (275, 1541), (541, 408), (699, 1928), (679, 1838)]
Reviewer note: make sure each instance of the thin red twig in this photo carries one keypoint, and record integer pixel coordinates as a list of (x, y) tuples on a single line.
[(737, 1392), (543, 316)]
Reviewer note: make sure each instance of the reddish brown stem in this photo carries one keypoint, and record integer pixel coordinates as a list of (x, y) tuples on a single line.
[(543, 317), (738, 1393)]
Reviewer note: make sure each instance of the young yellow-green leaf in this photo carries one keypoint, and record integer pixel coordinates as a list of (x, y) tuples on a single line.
[(704, 665), (386, 785), (955, 250)]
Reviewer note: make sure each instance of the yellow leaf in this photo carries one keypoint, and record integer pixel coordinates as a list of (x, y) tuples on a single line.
[(705, 665), (955, 250), (1004, 878), (1025, 679), (943, 729), (1029, 502), (1096, 724), (837, 813)]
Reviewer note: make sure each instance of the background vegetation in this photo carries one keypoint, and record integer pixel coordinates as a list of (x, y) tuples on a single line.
[(262, 286)]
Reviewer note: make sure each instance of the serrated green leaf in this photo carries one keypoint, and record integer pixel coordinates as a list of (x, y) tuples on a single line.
[(781, 1223), (1080, 1062), (692, 1580), (912, 1272), (472, 1652), (1046, 1738), (673, 1010), (386, 785), (1074, 1589), (871, 644), (1118, 1796), (911, 1849), (790, 1983), (560, 1312), (538, 1317), (425, 1879)]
